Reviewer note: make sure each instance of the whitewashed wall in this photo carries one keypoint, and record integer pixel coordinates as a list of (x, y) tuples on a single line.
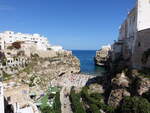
[(10, 37), (143, 14), (1, 98)]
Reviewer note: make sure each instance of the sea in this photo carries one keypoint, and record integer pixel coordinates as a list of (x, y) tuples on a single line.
[(87, 64)]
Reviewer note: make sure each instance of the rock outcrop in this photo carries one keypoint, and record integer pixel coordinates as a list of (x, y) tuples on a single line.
[(128, 83), (96, 88), (116, 96), (119, 85), (143, 85), (102, 56), (121, 80), (40, 71)]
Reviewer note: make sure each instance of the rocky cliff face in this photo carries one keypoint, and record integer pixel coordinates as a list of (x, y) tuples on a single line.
[(117, 86), (127, 83), (102, 56), (122, 81), (40, 71)]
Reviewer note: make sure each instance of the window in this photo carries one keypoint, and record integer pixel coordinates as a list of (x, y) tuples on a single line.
[(139, 44)]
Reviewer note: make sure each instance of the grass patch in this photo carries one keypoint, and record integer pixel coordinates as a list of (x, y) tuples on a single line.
[(50, 103)]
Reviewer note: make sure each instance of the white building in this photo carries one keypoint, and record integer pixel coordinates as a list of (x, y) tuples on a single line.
[(56, 48), (137, 20), (143, 16), (8, 37), (128, 29), (1, 98), (135, 33)]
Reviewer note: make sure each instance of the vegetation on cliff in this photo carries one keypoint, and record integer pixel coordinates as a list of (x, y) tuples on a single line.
[(40, 71), (95, 101), (50, 103), (56, 107), (135, 105), (76, 104)]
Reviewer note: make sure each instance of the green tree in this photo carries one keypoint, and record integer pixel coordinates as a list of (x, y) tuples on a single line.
[(135, 105)]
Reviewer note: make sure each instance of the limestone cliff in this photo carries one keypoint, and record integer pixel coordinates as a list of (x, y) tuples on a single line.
[(121, 90), (40, 71), (102, 56)]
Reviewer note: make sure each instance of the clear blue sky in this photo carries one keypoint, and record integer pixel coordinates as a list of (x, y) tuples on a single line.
[(74, 24)]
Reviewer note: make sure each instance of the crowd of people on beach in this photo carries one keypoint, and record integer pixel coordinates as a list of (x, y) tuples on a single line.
[(78, 80)]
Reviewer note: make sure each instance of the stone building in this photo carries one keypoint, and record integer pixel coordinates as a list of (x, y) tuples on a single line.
[(134, 34), (17, 95)]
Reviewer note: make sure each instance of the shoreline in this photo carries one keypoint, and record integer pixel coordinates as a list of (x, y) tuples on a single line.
[(69, 80)]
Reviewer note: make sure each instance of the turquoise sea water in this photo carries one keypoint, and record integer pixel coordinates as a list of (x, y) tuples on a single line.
[(86, 58)]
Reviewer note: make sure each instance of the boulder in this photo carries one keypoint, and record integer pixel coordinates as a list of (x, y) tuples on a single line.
[(102, 56), (116, 96), (121, 80), (96, 88), (143, 85)]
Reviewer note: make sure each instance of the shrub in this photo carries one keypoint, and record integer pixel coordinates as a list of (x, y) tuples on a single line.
[(76, 105), (4, 62), (21, 53), (95, 100), (147, 95), (35, 55), (91, 99), (135, 105), (94, 108), (108, 109), (6, 76), (10, 47), (46, 109), (96, 96), (2, 55), (57, 103), (16, 45)]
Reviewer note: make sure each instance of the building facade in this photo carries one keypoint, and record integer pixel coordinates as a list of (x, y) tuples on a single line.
[(135, 34), (9, 37), (57, 48)]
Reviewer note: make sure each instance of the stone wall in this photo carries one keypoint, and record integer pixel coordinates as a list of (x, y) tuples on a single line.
[(142, 44)]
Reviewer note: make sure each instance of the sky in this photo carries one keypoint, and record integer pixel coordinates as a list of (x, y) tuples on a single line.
[(73, 24)]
